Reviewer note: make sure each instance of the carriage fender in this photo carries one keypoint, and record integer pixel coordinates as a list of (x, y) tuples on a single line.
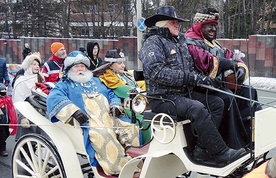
[(62, 142)]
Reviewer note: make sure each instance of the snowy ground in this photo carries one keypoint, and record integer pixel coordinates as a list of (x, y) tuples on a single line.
[(262, 83)]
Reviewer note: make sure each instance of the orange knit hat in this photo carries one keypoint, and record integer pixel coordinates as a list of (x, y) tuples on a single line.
[(56, 46)]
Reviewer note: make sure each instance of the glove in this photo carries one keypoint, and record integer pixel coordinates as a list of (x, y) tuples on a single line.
[(226, 64), (116, 110), (80, 117), (240, 74), (238, 55), (206, 80)]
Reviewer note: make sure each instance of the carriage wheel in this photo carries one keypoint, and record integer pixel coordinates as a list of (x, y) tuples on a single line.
[(35, 156)]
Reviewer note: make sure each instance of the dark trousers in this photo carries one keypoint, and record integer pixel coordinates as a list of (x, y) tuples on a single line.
[(248, 108), (204, 113), (232, 127), (4, 134)]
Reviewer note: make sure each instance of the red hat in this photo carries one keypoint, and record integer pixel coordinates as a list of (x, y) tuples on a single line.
[(56, 46)]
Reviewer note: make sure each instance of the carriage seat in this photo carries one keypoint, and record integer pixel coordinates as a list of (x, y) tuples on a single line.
[(187, 128), (38, 100)]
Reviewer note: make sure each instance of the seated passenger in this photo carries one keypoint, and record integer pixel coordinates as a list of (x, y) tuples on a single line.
[(114, 76), (214, 60), (85, 98), (24, 84), (169, 74)]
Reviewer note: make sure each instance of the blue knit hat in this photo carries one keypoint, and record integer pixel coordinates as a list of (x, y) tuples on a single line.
[(75, 57)]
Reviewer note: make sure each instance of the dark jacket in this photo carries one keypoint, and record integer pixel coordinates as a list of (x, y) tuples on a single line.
[(94, 62), (4, 76), (26, 52), (167, 64)]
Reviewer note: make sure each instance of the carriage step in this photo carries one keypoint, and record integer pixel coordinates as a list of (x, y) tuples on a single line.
[(134, 152)]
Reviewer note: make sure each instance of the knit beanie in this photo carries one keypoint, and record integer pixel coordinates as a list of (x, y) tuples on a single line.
[(56, 46), (206, 15)]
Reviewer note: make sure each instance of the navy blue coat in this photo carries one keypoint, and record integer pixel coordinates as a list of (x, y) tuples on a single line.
[(4, 77)]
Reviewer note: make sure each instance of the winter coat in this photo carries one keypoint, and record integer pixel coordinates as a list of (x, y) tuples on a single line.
[(4, 76), (167, 64), (52, 69), (94, 62)]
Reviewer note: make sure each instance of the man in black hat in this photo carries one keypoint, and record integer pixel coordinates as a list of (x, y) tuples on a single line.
[(169, 73), (216, 61)]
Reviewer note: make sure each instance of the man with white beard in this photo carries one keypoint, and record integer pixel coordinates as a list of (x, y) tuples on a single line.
[(85, 99)]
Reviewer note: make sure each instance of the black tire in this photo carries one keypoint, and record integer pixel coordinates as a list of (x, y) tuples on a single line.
[(35, 156)]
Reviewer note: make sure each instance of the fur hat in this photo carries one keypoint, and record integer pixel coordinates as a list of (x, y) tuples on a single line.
[(112, 55), (30, 59), (75, 57), (206, 15), (163, 13), (56, 46)]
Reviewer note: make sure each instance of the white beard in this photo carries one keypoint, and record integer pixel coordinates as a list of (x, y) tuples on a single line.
[(80, 77)]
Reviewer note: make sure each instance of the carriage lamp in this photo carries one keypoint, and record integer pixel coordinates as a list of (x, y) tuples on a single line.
[(25, 123), (138, 103)]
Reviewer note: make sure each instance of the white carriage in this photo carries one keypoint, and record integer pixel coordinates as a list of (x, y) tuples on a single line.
[(60, 152)]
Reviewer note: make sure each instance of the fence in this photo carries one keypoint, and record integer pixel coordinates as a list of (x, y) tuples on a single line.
[(260, 50)]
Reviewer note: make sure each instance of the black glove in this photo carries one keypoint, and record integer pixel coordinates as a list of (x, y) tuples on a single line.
[(226, 64), (80, 116), (116, 110), (206, 80), (240, 74)]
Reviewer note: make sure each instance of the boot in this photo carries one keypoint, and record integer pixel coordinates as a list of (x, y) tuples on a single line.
[(229, 155), (4, 153), (201, 154)]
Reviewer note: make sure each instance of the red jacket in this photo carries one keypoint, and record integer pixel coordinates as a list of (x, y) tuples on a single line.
[(52, 69)]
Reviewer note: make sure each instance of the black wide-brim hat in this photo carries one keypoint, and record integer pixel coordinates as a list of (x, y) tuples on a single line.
[(163, 13)]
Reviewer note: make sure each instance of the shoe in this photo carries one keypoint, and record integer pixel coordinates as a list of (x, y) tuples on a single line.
[(3, 153), (200, 154), (229, 155)]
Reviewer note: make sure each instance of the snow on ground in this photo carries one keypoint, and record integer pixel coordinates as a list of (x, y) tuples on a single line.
[(262, 83)]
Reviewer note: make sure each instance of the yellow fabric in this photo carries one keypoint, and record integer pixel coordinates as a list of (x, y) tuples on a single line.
[(142, 84), (214, 71), (246, 70), (65, 114), (111, 80), (110, 153)]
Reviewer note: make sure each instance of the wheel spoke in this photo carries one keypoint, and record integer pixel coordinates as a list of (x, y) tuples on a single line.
[(24, 166), (52, 171), (34, 156), (26, 156)]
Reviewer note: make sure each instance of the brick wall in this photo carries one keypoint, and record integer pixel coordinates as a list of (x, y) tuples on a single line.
[(260, 50)]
